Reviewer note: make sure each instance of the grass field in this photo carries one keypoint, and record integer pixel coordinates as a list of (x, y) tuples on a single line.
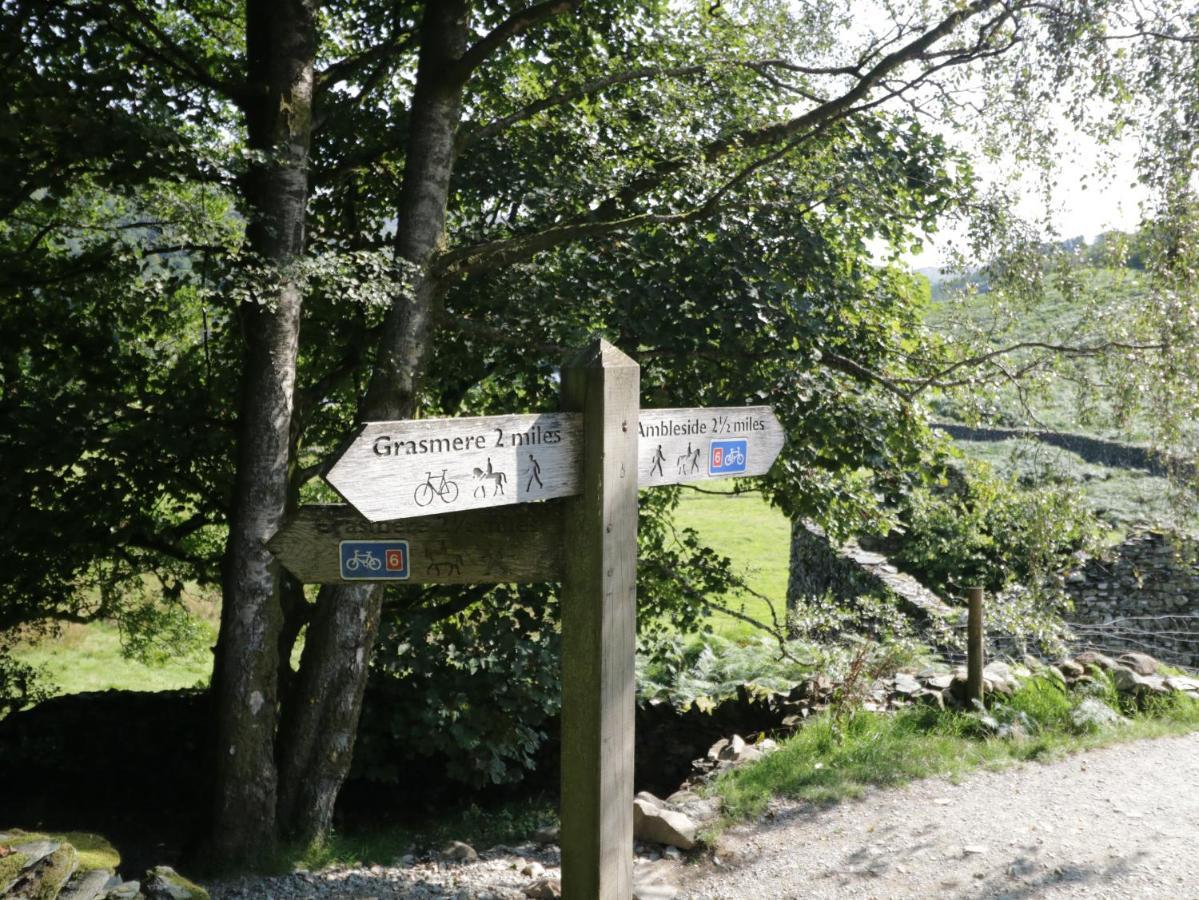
[(742, 527), (88, 658), (756, 537)]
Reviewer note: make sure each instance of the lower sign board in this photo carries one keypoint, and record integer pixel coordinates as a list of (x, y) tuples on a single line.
[(329, 544)]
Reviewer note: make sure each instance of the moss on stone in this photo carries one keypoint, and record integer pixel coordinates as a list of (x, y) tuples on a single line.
[(95, 852), (54, 871), (174, 880), (10, 868)]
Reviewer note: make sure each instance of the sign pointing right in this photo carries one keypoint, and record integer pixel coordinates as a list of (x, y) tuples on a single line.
[(680, 445)]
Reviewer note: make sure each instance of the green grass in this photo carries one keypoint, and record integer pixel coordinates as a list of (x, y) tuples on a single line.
[(756, 537), (827, 761), (88, 658)]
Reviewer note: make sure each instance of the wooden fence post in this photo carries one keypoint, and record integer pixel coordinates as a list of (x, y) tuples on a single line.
[(974, 646), (599, 617)]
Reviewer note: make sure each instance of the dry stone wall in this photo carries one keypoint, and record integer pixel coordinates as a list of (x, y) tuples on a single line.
[(1142, 595)]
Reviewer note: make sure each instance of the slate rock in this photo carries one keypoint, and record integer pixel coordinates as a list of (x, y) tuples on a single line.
[(906, 684), (46, 879), (35, 851), (1070, 669), (1129, 681), (128, 890), (164, 883), (733, 749), (459, 852), (654, 892), (1141, 663), (1090, 658), (87, 885), (662, 826), (544, 889)]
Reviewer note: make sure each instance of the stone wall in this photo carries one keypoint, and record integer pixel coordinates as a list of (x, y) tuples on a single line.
[(819, 567), (1142, 595)]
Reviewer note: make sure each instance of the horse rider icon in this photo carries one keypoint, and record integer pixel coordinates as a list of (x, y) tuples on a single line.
[(534, 475)]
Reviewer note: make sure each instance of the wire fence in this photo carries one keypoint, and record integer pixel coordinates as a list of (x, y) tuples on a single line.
[(1171, 639)]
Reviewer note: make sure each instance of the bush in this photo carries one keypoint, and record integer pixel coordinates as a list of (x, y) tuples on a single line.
[(978, 529), (476, 689)]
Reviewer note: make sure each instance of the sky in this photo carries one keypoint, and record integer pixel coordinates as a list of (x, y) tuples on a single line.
[(1083, 203)]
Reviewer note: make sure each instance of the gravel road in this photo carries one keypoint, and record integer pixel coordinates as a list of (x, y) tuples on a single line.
[(1118, 822)]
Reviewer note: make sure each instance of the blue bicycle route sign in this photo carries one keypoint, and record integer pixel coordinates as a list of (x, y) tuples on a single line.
[(727, 457), (374, 560)]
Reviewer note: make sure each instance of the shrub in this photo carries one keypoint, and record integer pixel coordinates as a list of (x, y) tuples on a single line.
[(978, 529)]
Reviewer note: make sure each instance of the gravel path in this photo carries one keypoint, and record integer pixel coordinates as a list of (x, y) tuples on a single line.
[(1122, 822), (1118, 822)]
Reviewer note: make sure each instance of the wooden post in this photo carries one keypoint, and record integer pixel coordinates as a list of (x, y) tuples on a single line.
[(974, 646), (599, 617)]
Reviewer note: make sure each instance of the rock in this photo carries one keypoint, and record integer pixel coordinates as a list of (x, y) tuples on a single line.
[(1129, 681), (651, 799), (459, 852), (973, 849), (1182, 683), (1141, 663), (11, 864), (662, 826), (87, 885), (550, 834), (129, 890), (941, 681), (35, 851), (733, 749), (931, 698), (695, 807), (1032, 663), (906, 684), (1089, 658), (1070, 669), (164, 883), (766, 745), (716, 749), (533, 870), (46, 878), (1093, 714), (673, 853), (544, 889)]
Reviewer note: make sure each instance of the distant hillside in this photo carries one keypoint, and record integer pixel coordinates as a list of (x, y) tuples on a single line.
[(1122, 484)]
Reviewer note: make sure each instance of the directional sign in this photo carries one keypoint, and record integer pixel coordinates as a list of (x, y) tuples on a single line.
[(678, 445), (331, 544), (393, 470)]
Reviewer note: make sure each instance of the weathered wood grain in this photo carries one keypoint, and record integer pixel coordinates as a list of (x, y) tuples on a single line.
[(505, 544), (676, 445), (421, 467), (599, 615)]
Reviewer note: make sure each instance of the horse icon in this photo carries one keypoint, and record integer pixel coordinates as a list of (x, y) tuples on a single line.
[(498, 479)]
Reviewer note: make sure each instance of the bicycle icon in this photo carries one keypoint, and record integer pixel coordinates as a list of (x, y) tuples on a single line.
[(363, 558), (734, 457), (430, 488)]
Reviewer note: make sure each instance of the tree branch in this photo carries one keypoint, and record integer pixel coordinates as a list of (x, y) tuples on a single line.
[(514, 26)]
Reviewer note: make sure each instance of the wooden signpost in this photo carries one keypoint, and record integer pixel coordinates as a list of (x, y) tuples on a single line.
[(407, 482)]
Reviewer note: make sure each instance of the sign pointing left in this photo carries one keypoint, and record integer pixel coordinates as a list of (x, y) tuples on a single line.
[(422, 467)]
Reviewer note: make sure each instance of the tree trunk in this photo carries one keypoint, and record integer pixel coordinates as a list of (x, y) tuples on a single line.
[(280, 43), (317, 742)]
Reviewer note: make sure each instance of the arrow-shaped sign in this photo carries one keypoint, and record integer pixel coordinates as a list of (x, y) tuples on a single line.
[(396, 470)]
